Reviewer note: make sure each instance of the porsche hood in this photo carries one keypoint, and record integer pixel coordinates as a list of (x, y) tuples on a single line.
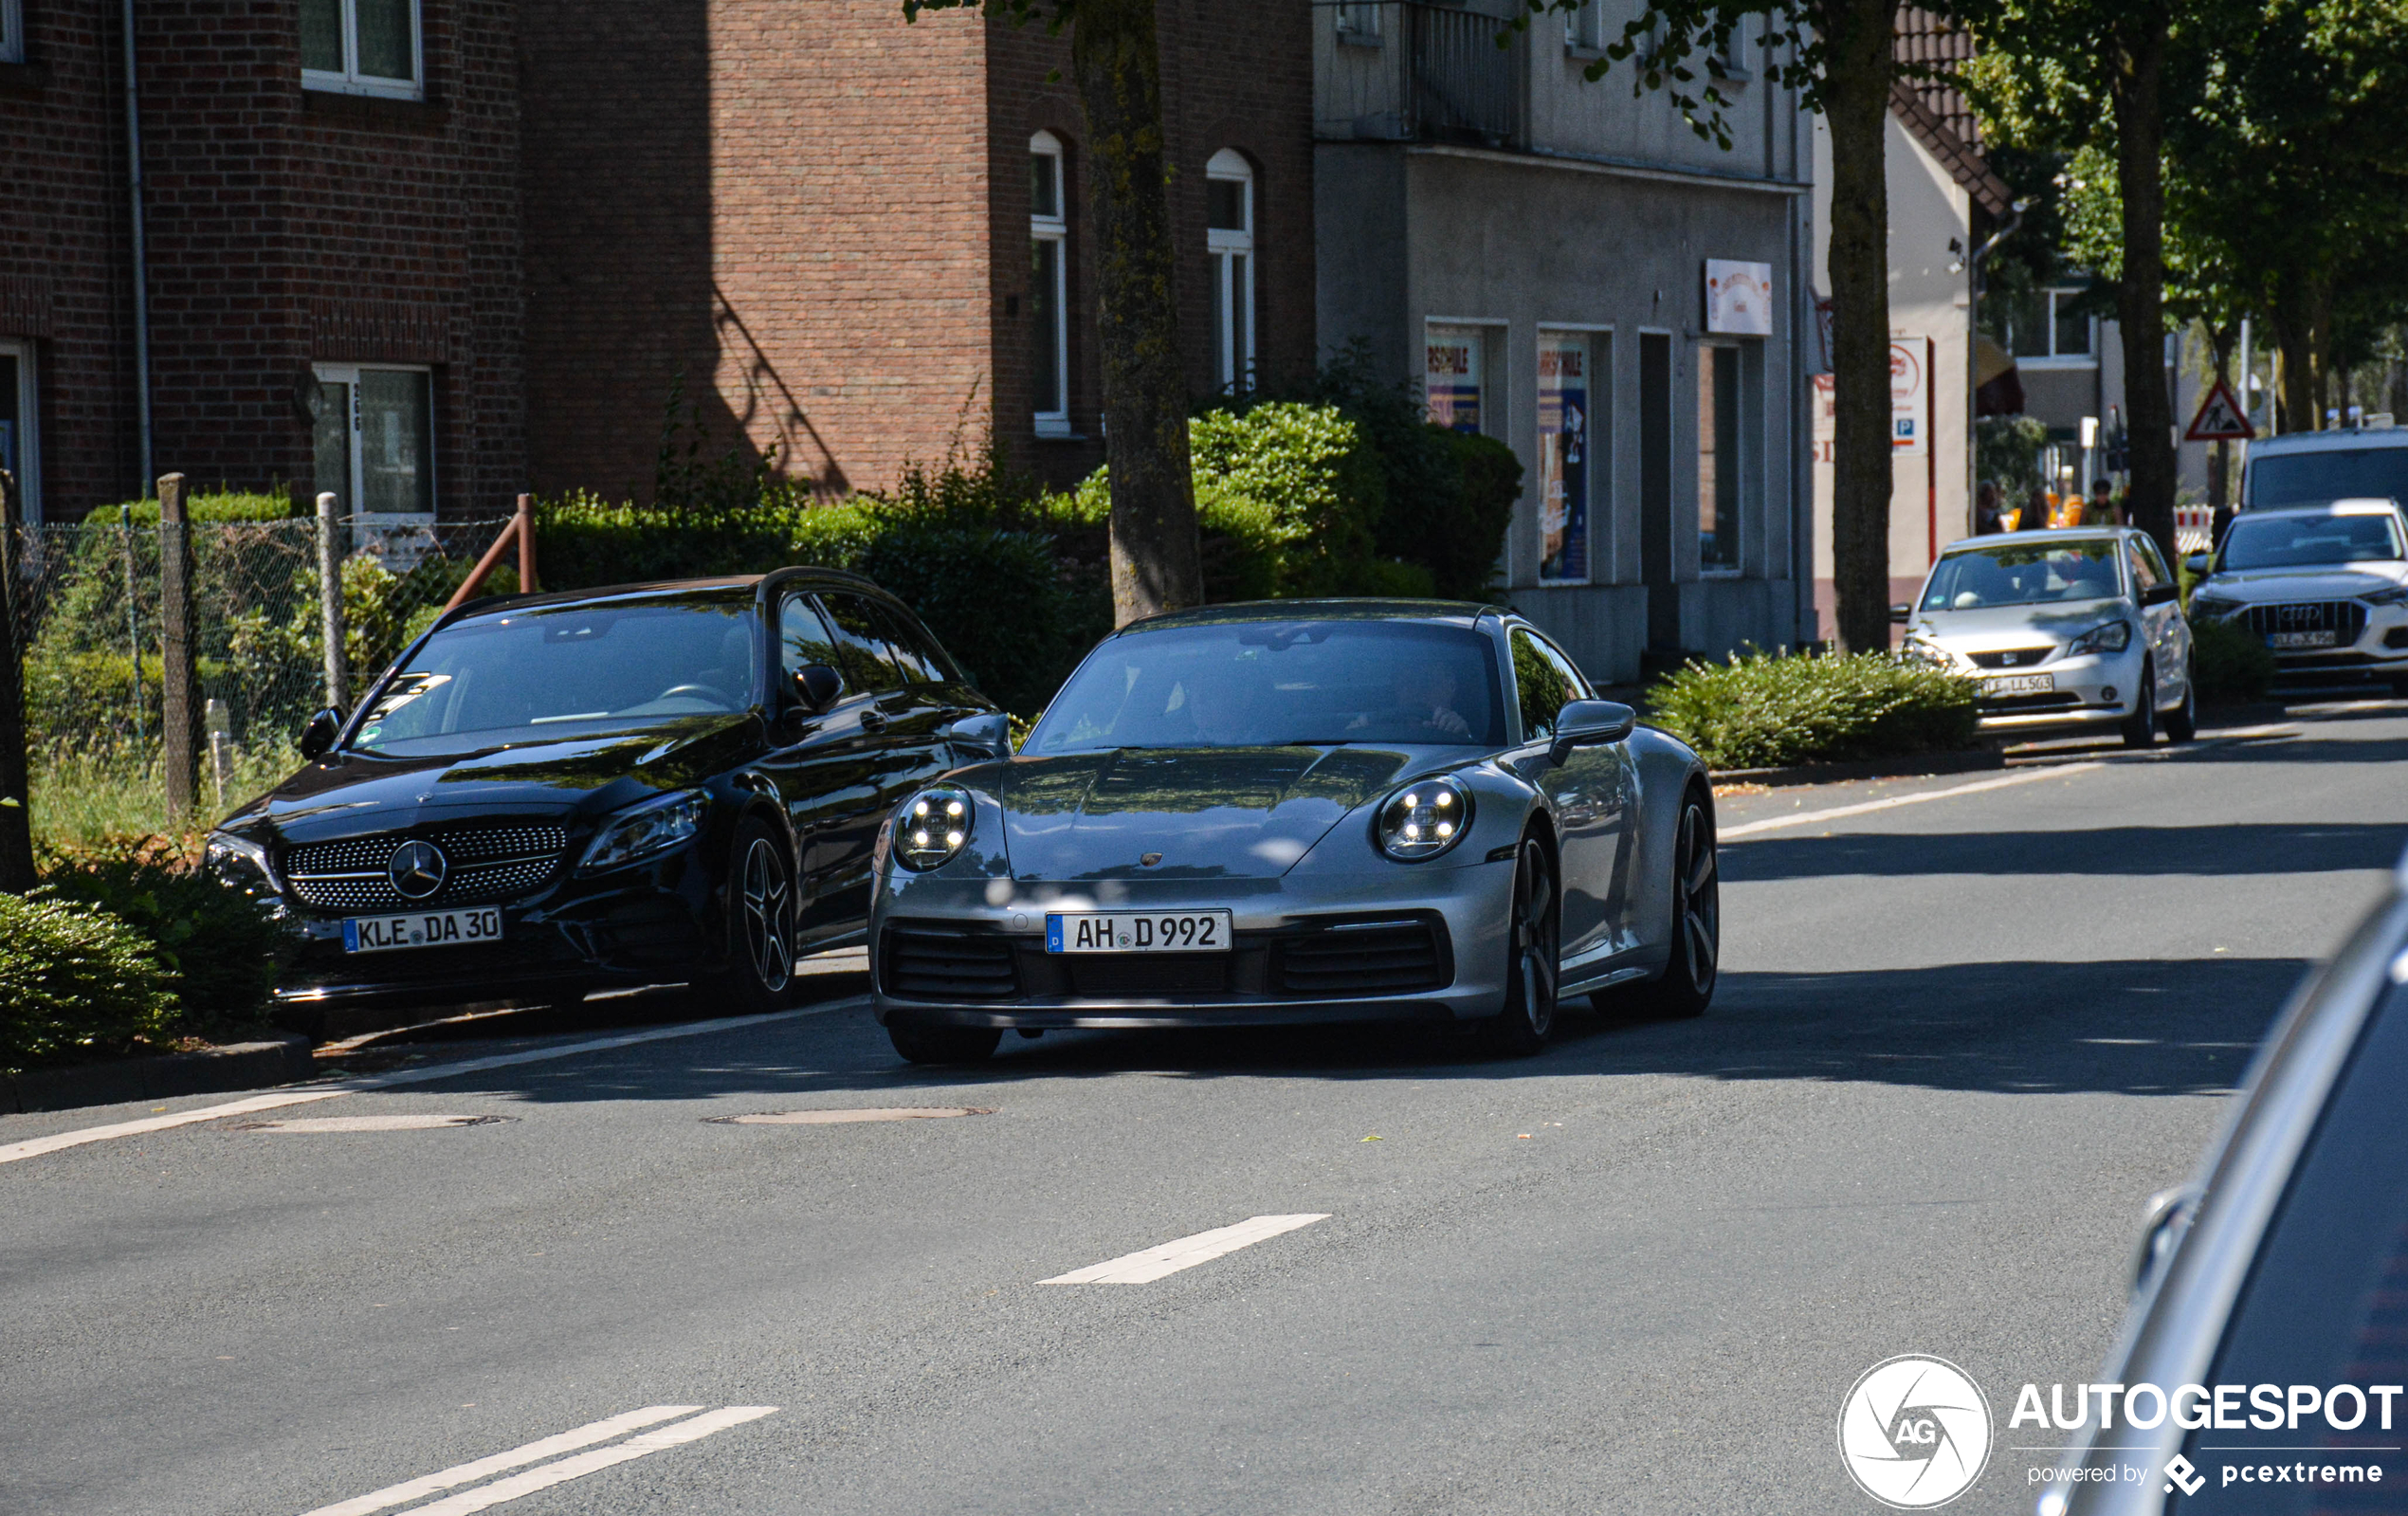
[(1224, 813)]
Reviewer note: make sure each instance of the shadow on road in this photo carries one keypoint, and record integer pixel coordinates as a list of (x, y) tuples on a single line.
[(2247, 848)]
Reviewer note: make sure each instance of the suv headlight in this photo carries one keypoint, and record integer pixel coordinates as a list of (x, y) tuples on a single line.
[(2391, 596), (654, 827), (2113, 637), (1424, 820), (2214, 606), (932, 827), (241, 863)]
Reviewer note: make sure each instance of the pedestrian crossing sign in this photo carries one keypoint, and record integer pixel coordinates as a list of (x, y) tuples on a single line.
[(2220, 418)]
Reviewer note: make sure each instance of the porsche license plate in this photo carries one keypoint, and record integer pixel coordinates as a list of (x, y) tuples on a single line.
[(1137, 932), (382, 934), (2019, 684), (2302, 639)]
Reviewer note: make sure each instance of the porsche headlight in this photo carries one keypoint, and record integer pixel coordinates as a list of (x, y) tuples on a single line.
[(1424, 820), (2113, 637), (241, 863), (654, 827), (934, 825)]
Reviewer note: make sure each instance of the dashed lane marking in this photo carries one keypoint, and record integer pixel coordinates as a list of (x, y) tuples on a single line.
[(36, 1147), (1144, 1266), (583, 1464), (500, 1462), (1806, 818)]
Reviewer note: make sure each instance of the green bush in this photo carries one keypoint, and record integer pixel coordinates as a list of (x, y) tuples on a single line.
[(221, 948), (1310, 470), (2232, 663), (215, 505), (1759, 710), (74, 977)]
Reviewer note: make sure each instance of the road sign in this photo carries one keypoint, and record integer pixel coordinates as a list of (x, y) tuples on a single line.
[(2220, 418)]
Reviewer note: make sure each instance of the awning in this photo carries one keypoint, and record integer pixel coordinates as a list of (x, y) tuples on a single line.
[(1997, 390)]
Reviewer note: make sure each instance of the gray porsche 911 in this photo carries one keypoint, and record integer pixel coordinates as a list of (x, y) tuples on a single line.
[(1302, 811)]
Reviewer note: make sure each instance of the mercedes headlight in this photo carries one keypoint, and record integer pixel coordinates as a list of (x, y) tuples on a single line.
[(1424, 820), (654, 827), (241, 863), (2113, 637), (934, 825)]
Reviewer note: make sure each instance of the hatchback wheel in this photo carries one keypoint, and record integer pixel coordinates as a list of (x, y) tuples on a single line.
[(1533, 958), (761, 921), (2139, 728), (2182, 721)]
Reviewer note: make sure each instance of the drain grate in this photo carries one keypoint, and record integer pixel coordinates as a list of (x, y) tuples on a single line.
[(832, 1117), (422, 1123)]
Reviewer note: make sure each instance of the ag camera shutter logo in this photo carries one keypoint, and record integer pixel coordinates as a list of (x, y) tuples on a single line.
[(1914, 1432)]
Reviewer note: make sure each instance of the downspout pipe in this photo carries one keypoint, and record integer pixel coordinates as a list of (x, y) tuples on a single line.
[(141, 256)]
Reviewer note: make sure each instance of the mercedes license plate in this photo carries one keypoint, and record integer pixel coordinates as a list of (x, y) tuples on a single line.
[(2302, 639), (1137, 932), (2018, 685), (382, 934)]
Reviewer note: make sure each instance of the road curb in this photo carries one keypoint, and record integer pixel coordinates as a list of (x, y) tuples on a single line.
[(1912, 766), (2250, 713), (238, 1066)]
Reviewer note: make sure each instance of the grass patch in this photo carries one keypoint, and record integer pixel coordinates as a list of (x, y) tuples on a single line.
[(1761, 711), (103, 797)]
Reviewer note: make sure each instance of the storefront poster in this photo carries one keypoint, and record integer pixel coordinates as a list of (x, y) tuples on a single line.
[(1452, 377), (1739, 297), (1564, 459)]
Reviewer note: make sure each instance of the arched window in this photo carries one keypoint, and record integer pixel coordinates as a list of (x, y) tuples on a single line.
[(1048, 286), (1229, 219)]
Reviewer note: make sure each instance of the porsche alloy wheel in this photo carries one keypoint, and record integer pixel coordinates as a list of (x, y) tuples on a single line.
[(1687, 984), (1534, 962)]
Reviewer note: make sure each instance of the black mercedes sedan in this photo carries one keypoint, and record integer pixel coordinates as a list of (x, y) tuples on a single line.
[(656, 783)]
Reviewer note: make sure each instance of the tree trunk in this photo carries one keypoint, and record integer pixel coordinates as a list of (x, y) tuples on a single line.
[(1856, 97), (2298, 333), (1115, 61), (16, 800), (2136, 85)]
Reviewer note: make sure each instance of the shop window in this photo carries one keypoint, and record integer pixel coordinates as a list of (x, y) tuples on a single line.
[(1571, 417), (1722, 459), (1454, 377)]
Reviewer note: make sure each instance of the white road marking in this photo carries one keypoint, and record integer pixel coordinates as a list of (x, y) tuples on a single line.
[(468, 1474), (428, 1123), (600, 1458), (36, 1147), (832, 1117), (1154, 1263), (1806, 818)]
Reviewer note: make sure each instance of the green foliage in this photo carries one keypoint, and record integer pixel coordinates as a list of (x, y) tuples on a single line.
[(2231, 661), (220, 947), (1759, 710), (1307, 467), (217, 506), (2006, 451), (74, 978)]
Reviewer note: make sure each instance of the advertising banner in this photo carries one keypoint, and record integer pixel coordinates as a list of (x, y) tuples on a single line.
[(1739, 297), (1452, 377), (1564, 458), (1909, 400)]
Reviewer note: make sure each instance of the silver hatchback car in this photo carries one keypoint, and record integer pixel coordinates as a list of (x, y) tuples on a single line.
[(2069, 630)]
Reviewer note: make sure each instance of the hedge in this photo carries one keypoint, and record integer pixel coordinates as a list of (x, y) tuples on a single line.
[(1758, 710), (219, 946), (2231, 661), (74, 977)]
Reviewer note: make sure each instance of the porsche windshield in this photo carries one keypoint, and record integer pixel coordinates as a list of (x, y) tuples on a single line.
[(2300, 541), (566, 670), (2011, 573), (1266, 684)]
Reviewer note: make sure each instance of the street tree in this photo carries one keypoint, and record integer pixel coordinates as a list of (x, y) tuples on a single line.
[(16, 823), (1115, 68), (1839, 54)]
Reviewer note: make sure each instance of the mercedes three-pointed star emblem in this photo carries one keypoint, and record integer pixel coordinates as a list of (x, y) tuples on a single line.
[(417, 869)]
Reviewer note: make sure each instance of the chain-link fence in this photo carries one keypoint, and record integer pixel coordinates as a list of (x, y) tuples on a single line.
[(89, 624)]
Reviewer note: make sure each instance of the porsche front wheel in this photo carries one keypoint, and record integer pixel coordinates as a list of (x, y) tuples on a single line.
[(1532, 962)]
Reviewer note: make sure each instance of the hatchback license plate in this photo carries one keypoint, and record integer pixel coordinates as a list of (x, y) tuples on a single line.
[(2302, 639), (1137, 932), (382, 934), (2019, 684)]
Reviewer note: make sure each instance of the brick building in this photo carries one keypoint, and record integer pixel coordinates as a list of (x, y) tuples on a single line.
[(856, 240), (331, 257)]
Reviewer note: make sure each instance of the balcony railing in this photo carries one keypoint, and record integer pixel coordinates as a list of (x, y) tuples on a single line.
[(1408, 71)]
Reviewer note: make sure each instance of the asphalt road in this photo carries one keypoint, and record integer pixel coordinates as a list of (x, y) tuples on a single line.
[(1959, 1041)]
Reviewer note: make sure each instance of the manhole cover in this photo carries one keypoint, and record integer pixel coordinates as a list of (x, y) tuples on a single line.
[(831, 1118), (368, 1124)]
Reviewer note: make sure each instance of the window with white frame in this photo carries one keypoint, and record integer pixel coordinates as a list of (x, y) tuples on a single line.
[(1584, 28), (1359, 22), (17, 411), (375, 438), (1229, 220), (12, 32), (361, 47), (2041, 325), (1048, 286)]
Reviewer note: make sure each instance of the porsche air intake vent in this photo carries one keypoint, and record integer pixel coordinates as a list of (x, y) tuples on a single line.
[(1366, 958), (946, 963)]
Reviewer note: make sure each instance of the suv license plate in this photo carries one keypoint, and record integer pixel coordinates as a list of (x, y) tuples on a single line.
[(382, 934), (2019, 684), (2302, 639), (1137, 932)]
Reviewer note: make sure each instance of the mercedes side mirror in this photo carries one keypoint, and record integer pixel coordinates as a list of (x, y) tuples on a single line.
[(2160, 594), (320, 735), (1901, 615), (1590, 723), (815, 688), (2198, 564)]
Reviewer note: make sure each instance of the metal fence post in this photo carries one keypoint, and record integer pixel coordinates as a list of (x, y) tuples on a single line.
[(180, 704), (523, 518), (16, 799), (330, 604)]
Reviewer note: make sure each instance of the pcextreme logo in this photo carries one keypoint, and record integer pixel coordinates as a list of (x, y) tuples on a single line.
[(1914, 1432)]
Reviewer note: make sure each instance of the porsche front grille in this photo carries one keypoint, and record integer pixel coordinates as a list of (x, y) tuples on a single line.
[(940, 963)]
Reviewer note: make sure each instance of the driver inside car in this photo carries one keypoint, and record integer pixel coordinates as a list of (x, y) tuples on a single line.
[(1421, 698)]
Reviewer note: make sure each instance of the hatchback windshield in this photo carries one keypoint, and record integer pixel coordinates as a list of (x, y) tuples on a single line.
[(2009, 573), (2296, 541), (2315, 476), (566, 670), (1269, 683)]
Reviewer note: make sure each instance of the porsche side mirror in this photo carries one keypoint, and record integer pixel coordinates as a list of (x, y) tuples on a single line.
[(319, 736), (1590, 723), (2197, 563), (2160, 594), (816, 687), (1901, 615)]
